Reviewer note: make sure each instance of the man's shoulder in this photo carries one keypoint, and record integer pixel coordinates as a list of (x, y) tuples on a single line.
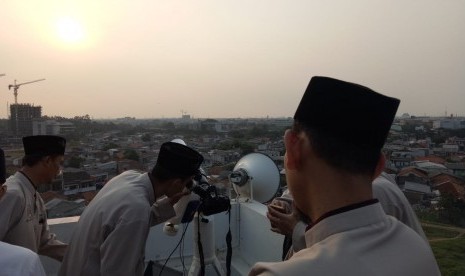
[(384, 186), (304, 262), (16, 251), (13, 180), (15, 258), (14, 193)]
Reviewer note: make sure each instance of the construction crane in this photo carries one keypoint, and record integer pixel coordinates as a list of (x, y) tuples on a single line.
[(17, 85)]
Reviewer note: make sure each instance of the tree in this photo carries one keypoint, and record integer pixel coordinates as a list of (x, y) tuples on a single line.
[(146, 137), (168, 125), (237, 134), (110, 146), (131, 155), (247, 148), (75, 162), (452, 209)]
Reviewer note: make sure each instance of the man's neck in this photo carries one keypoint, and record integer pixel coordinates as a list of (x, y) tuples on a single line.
[(157, 192), (32, 175), (334, 190)]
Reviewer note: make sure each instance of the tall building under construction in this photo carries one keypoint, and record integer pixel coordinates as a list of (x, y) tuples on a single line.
[(21, 118)]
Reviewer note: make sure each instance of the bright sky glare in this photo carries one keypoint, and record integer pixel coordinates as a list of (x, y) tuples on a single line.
[(218, 59), (70, 30)]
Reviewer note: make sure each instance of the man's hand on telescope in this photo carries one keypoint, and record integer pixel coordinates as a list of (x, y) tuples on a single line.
[(176, 197)]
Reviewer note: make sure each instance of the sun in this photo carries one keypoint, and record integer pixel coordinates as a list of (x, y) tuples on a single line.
[(69, 30)]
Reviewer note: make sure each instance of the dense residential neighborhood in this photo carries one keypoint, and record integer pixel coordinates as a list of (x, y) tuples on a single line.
[(426, 154)]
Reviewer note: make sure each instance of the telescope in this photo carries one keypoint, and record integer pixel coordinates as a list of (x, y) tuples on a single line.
[(204, 198)]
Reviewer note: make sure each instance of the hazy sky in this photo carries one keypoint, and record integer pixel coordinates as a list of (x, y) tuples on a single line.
[(152, 58)]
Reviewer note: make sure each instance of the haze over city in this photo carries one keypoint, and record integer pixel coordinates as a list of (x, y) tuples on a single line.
[(220, 59)]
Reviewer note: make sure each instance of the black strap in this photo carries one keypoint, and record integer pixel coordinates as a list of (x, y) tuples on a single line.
[(287, 244), (228, 242), (199, 245), (149, 269)]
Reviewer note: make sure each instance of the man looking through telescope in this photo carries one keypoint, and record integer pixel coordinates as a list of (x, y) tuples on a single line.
[(110, 236)]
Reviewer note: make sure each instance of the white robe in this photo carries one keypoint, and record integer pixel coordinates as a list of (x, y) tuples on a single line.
[(110, 236), (360, 241), (395, 203), (23, 219), (19, 261), (392, 200)]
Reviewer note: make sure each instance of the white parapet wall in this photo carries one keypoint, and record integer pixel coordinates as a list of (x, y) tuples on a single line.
[(252, 240)]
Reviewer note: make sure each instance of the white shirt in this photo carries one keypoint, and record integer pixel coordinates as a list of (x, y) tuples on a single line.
[(23, 219), (19, 261), (110, 236), (392, 200), (395, 203), (358, 241)]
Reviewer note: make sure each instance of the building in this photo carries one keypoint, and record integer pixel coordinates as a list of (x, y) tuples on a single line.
[(451, 184), (412, 174), (51, 127), (430, 167), (21, 118), (77, 181), (416, 192), (449, 123)]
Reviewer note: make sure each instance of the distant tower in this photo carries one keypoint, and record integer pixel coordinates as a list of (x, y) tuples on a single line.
[(184, 115), (21, 118)]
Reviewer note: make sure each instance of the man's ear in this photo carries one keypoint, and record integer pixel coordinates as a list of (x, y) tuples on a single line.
[(177, 181), (380, 165), (293, 145), (47, 160)]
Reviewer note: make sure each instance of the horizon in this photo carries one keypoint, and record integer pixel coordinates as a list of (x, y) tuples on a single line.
[(403, 116), (156, 59)]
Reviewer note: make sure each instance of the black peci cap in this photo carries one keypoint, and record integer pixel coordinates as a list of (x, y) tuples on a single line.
[(179, 159), (347, 111), (43, 145)]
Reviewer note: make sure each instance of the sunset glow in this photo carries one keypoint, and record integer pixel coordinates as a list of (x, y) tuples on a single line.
[(69, 30)]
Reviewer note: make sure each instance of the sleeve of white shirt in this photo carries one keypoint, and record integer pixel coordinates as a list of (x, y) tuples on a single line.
[(49, 244), (12, 206), (19, 261), (162, 210), (36, 268)]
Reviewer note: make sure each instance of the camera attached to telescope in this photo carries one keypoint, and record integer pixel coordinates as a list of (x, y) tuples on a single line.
[(212, 201), (205, 199)]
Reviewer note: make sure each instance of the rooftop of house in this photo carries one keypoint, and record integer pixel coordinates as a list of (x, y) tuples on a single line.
[(417, 187)]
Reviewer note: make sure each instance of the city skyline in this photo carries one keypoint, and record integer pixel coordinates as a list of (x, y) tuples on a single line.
[(159, 59)]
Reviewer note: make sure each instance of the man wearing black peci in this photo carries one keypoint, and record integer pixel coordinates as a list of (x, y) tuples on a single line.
[(333, 154)]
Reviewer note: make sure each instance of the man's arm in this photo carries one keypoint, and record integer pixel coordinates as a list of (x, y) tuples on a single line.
[(162, 210), (12, 207), (50, 246)]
